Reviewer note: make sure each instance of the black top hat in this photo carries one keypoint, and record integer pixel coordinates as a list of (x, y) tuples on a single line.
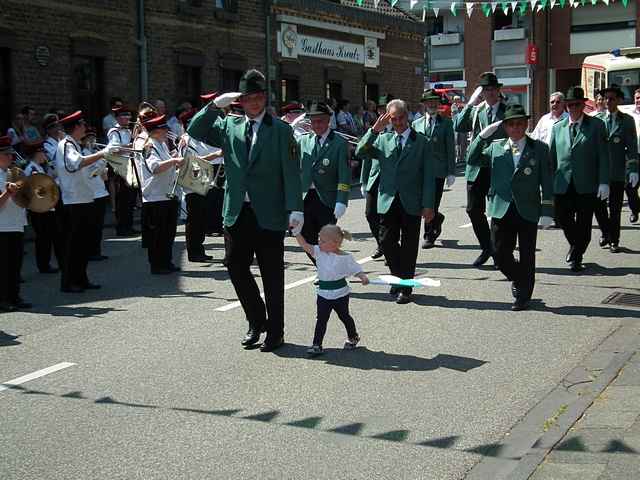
[(574, 94), (612, 88), (429, 95), (320, 109), (514, 111), (489, 79), (252, 82)]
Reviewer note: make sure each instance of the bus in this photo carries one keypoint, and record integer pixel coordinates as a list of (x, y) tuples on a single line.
[(620, 67)]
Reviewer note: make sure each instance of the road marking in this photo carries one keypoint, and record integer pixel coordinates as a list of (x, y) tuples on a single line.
[(236, 304), (467, 225), (32, 376)]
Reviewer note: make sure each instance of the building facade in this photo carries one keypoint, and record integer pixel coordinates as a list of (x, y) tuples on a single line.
[(78, 54)]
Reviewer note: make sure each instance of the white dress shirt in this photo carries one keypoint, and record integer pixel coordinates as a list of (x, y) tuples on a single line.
[(108, 122), (333, 266), (119, 136), (74, 183), (12, 217), (156, 186), (404, 136), (94, 176), (543, 129)]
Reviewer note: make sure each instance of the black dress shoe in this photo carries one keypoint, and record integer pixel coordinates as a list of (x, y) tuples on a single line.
[(570, 255), (428, 243), (72, 289), (269, 346), (482, 258), (50, 270), (604, 241), (174, 268), (394, 291), (514, 290), (576, 266), (201, 258), (519, 305), (633, 218), (92, 286), (98, 258), (437, 229), (614, 248), (403, 298), (252, 337), (377, 254)]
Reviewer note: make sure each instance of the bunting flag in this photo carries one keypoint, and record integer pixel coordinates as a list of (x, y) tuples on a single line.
[(393, 3), (424, 14), (436, 11), (553, 3), (469, 9), (412, 4), (533, 4), (453, 9), (522, 9), (359, 2), (624, 2), (375, 3), (539, 8), (543, 4), (514, 5), (606, 2), (562, 2), (494, 5), (486, 9)]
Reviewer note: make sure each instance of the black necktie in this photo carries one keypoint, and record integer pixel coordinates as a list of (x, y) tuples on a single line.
[(490, 116), (399, 144), (430, 125), (574, 131), (248, 135)]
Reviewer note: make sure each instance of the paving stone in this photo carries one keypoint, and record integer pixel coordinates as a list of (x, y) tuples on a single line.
[(620, 398), (567, 471), (576, 458), (589, 439), (602, 417), (629, 376), (621, 467)]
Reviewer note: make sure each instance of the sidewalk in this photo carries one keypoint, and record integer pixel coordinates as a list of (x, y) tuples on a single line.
[(604, 444)]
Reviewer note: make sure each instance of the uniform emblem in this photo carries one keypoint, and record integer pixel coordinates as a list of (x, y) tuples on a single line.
[(326, 162), (527, 171), (616, 139)]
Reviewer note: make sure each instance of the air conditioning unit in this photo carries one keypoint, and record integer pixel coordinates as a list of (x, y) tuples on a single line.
[(509, 34), (446, 39)]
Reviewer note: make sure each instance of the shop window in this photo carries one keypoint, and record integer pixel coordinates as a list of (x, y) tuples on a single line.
[(189, 83), (333, 90), (289, 90), (452, 76), (88, 86), (5, 89)]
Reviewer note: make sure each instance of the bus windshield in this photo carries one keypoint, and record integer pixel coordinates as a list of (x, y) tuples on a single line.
[(628, 80)]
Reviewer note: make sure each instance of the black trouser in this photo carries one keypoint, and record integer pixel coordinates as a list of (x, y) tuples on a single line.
[(609, 220), (399, 238), (324, 308), (316, 216), (46, 228), (100, 208), (78, 225), (196, 223), (11, 252), (575, 214), (125, 203), (431, 228), (632, 196), (476, 205), (506, 231), (371, 211), (244, 240), (215, 200), (161, 219)]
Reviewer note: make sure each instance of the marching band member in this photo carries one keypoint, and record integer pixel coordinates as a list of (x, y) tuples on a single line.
[(45, 224), (12, 222), (580, 158), (474, 117), (438, 131), (262, 190), (97, 175), (158, 175), (326, 176), (623, 165), (406, 191), (77, 197), (520, 171), (125, 195)]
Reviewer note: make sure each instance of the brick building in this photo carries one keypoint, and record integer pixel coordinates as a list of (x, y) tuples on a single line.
[(79, 53), (460, 48)]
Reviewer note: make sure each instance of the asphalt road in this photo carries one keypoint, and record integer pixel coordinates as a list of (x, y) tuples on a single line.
[(160, 387)]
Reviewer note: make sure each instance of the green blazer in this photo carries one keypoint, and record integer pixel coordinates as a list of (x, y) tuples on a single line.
[(474, 119), (370, 170), (521, 185), (410, 174), (270, 175), (623, 145), (585, 160), (442, 144), (327, 167)]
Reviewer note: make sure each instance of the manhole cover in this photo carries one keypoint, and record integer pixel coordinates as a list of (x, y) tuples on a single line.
[(620, 298)]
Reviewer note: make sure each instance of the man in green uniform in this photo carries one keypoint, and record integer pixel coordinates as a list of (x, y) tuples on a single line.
[(438, 130), (406, 189), (326, 176), (580, 158), (623, 158), (262, 198), (520, 171)]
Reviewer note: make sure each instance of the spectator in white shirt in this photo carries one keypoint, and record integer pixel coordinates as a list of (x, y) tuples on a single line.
[(556, 113), (109, 120)]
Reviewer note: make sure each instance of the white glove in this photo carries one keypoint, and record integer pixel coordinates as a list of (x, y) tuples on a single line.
[(363, 190), (296, 220), (339, 210), (451, 179), (490, 129), (545, 222), (226, 99), (475, 96), (603, 191), (633, 179), (110, 149)]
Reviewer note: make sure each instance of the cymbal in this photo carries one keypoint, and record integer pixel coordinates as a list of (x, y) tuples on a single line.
[(38, 193)]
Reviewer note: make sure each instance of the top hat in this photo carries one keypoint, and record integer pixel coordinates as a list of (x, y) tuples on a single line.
[(489, 79), (320, 109), (5, 145), (155, 123), (429, 95), (252, 82), (574, 94), (514, 111), (612, 88)]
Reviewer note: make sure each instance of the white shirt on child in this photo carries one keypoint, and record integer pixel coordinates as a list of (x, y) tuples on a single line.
[(332, 266)]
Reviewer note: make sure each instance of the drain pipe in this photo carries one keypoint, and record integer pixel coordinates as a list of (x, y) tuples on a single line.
[(142, 52), (267, 31)]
